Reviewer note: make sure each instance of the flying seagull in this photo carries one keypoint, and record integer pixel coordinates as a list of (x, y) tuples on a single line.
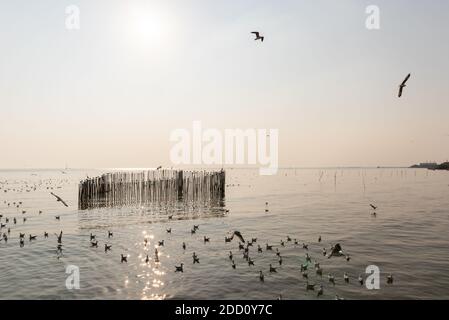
[(258, 36), (402, 85), (59, 199), (239, 235)]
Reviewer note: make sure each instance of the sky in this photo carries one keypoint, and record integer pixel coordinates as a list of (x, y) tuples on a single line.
[(109, 94)]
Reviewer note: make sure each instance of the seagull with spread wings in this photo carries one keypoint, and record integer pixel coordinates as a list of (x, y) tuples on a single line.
[(59, 199), (238, 234), (258, 36), (402, 85)]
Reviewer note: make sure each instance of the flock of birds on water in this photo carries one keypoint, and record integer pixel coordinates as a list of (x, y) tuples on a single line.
[(249, 249)]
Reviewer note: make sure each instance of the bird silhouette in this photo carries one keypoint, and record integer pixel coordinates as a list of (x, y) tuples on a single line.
[(239, 235), (320, 291), (390, 279), (258, 36), (59, 199), (403, 85), (180, 268)]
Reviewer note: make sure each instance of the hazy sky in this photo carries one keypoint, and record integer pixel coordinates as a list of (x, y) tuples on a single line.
[(109, 94)]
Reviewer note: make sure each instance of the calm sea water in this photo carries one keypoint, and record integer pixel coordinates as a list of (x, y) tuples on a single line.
[(408, 238)]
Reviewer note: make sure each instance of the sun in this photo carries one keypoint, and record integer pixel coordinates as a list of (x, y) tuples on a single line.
[(148, 26)]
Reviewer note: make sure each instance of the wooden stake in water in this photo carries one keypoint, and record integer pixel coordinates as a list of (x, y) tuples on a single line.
[(138, 188)]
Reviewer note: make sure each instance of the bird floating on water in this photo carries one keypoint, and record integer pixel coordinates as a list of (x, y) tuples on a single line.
[(331, 279), (390, 279), (360, 280), (59, 237), (278, 253), (180, 268), (320, 291), (308, 258), (336, 251), (310, 286)]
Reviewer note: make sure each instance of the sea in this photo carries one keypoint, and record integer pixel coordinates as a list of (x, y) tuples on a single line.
[(406, 236)]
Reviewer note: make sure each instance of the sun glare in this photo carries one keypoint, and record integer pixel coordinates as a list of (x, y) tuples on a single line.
[(148, 26)]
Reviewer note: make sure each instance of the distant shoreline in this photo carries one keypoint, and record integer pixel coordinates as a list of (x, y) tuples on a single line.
[(210, 167), (431, 166)]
